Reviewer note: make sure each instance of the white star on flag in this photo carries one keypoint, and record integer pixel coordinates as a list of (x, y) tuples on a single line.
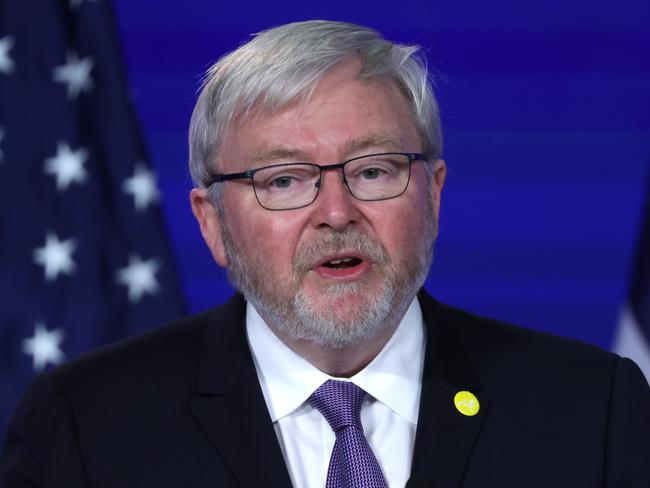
[(67, 166), (56, 256), (44, 346), (6, 63), (75, 73), (142, 185), (139, 277)]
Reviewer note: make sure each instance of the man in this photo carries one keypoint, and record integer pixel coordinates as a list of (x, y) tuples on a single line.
[(315, 149)]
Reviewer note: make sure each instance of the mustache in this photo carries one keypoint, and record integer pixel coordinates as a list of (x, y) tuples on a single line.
[(331, 242)]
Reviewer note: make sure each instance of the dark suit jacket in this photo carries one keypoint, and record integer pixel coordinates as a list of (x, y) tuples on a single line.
[(181, 406)]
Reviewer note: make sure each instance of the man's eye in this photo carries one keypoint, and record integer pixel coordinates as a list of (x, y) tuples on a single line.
[(371, 173), (282, 182)]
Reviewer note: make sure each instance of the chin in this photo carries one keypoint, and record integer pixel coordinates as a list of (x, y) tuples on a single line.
[(346, 315)]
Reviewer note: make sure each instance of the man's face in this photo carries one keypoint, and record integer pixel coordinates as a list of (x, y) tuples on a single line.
[(340, 270)]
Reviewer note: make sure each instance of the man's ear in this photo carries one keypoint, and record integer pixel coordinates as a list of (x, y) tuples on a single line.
[(437, 182), (209, 222)]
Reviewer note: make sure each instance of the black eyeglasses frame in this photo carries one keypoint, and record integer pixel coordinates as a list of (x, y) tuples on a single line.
[(249, 173)]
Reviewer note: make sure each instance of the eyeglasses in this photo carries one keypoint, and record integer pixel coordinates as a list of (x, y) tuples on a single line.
[(296, 185)]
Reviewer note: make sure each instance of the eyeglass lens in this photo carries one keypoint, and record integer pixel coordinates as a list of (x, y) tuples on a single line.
[(375, 177)]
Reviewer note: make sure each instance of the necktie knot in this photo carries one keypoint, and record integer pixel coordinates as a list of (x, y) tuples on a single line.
[(340, 403)]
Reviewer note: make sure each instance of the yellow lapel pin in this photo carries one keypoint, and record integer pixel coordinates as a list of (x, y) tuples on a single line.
[(466, 403)]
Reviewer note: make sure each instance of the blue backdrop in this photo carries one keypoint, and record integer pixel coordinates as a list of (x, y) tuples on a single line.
[(546, 113)]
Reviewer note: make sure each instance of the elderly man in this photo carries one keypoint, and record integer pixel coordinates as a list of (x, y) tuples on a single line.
[(316, 151)]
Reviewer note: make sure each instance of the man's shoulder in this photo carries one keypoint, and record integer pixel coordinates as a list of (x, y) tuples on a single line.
[(503, 351), (585, 408), (125, 406)]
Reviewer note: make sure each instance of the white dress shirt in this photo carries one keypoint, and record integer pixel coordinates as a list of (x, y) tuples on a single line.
[(389, 412)]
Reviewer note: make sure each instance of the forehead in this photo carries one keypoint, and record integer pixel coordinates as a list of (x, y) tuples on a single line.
[(341, 115)]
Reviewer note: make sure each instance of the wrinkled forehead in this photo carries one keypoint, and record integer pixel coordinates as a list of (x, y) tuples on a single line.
[(266, 108)]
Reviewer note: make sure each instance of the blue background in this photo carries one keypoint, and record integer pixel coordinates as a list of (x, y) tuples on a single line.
[(546, 116)]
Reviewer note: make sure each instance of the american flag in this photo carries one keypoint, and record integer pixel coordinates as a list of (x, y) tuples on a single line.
[(84, 259), (633, 334)]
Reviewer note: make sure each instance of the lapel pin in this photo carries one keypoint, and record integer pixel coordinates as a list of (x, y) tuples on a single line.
[(466, 403)]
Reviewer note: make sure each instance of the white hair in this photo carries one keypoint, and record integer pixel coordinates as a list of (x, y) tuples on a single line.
[(283, 63)]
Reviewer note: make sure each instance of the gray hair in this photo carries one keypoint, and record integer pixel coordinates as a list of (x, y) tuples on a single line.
[(283, 63)]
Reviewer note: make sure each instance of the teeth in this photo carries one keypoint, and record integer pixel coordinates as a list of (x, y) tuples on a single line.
[(339, 261)]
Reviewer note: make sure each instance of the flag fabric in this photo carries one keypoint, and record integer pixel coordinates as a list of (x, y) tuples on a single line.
[(633, 333), (84, 259)]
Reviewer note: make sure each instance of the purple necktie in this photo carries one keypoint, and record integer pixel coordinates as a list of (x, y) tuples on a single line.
[(353, 464)]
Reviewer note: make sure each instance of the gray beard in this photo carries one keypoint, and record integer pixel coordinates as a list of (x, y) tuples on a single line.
[(289, 312)]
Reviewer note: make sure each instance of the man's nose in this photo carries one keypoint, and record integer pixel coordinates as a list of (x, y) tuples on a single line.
[(335, 207)]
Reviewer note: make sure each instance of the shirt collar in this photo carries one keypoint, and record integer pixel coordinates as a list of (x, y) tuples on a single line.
[(393, 377)]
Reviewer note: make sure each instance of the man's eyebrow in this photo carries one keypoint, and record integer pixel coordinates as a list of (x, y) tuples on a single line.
[(270, 155), (373, 141)]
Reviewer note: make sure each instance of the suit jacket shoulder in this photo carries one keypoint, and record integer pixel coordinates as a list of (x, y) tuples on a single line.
[(553, 411), (495, 348), (168, 408)]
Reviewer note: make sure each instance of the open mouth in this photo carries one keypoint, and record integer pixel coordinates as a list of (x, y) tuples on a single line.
[(342, 263), (343, 267)]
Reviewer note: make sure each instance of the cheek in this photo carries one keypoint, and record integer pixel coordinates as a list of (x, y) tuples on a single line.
[(268, 237), (397, 228), (401, 226)]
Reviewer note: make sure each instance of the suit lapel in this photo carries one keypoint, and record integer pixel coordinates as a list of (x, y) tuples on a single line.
[(230, 406), (445, 437)]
